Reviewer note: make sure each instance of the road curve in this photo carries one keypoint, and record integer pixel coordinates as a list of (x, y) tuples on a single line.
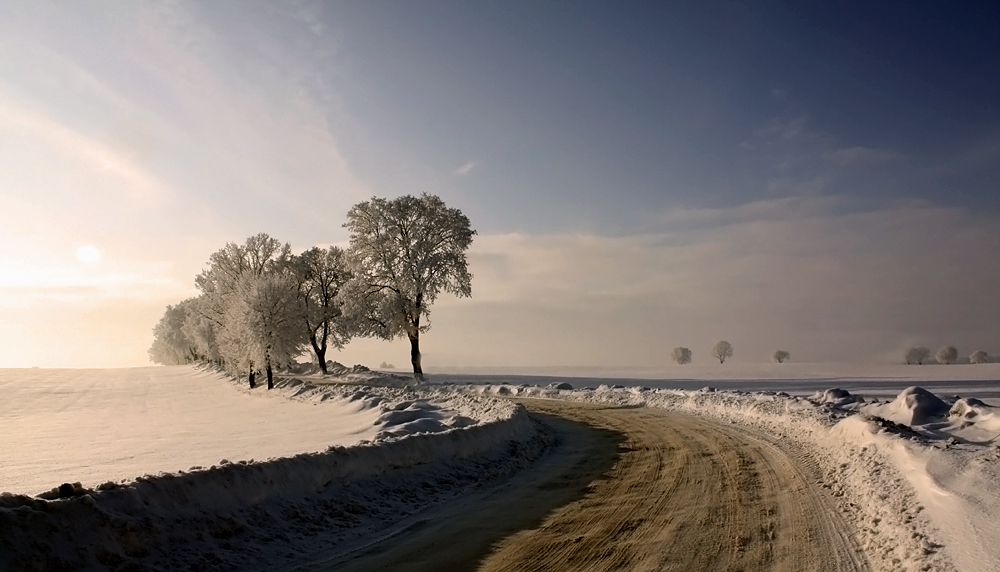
[(685, 494), (682, 493)]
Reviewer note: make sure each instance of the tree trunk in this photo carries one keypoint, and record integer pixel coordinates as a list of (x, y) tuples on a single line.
[(320, 353), (270, 377), (251, 376), (418, 373)]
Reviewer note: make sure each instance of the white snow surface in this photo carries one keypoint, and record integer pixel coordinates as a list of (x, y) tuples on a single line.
[(98, 425), (411, 448), (919, 476)]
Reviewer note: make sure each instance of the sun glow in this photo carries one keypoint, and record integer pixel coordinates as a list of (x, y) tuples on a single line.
[(88, 254)]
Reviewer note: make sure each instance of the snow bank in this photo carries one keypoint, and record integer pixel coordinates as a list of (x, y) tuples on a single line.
[(249, 515), (920, 495)]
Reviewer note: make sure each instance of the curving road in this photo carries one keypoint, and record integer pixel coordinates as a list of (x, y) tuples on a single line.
[(630, 489)]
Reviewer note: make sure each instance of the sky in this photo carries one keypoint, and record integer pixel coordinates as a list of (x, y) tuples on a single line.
[(822, 178)]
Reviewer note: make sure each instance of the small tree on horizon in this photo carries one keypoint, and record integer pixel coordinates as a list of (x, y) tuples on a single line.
[(722, 350), (979, 357), (947, 355), (780, 356), (917, 355), (171, 344), (681, 355)]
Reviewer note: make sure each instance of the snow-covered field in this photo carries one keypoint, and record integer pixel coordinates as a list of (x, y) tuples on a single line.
[(212, 474), (97, 425), (916, 474)]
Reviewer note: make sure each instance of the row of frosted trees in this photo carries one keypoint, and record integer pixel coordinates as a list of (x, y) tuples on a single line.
[(722, 350), (945, 355), (262, 306)]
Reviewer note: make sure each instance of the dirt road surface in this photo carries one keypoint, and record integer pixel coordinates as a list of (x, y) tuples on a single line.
[(629, 489)]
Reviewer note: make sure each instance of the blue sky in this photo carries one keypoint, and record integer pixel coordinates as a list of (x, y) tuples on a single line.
[(822, 176)]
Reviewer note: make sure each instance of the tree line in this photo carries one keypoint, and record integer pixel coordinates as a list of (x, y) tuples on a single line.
[(722, 350), (260, 306), (945, 355)]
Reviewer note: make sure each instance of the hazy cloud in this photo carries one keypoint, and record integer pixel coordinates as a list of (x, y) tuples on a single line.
[(804, 274), (466, 168)]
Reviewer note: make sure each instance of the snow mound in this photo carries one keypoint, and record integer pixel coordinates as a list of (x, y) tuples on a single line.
[(913, 406), (970, 408), (839, 398)]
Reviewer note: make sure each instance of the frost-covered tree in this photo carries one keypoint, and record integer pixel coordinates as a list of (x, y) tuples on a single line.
[(917, 355), (404, 252), (947, 355), (722, 350), (201, 330), (681, 355), (979, 357), (171, 344), (226, 267), (780, 356), (263, 326), (319, 276), (231, 271)]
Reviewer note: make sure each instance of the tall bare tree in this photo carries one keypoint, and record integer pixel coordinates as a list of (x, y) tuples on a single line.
[(404, 252), (319, 276)]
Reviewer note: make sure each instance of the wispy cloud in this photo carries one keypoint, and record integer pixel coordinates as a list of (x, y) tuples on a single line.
[(466, 168), (862, 155)]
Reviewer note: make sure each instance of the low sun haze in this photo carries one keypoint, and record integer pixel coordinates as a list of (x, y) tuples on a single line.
[(818, 179)]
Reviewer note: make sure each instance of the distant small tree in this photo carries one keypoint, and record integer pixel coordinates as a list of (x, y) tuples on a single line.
[(722, 350), (917, 355), (979, 357), (947, 355), (681, 355), (171, 345), (780, 356)]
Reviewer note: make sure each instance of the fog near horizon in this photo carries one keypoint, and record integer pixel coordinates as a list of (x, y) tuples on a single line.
[(627, 201)]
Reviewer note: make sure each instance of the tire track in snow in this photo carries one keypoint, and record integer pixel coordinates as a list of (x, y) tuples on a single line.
[(683, 494)]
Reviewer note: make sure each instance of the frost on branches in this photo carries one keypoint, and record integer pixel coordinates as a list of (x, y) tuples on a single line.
[(722, 350), (404, 252)]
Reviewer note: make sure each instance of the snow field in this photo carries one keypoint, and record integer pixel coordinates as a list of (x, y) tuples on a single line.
[(921, 496), (252, 514)]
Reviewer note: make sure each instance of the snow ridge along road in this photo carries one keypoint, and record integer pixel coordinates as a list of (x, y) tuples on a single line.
[(684, 494)]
